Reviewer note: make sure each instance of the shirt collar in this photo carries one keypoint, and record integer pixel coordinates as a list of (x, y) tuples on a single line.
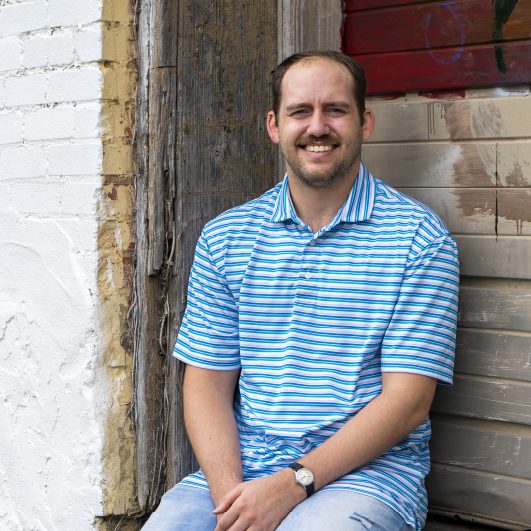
[(358, 206)]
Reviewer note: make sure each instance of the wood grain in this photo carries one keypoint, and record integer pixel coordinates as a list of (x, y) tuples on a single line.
[(504, 355), (435, 165), (495, 447), (430, 26), (492, 256), (502, 499), (226, 51), (485, 398)]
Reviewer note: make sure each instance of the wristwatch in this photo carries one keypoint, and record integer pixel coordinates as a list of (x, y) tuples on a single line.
[(304, 477)]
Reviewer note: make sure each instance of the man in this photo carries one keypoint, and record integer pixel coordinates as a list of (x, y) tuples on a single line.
[(329, 304)]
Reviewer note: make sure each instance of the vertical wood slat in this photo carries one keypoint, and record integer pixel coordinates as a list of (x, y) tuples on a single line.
[(155, 177), (226, 51)]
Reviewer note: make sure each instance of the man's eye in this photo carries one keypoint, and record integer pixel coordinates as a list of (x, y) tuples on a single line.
[(299, 112), (336, 111)]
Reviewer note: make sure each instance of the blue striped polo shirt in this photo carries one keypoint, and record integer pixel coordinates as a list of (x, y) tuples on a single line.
[(312, 321)]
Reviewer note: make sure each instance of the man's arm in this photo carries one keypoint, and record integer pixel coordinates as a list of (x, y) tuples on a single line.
[(211, 426), (402, 405)]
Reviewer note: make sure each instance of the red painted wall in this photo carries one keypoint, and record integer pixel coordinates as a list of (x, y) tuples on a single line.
[(425, 45)]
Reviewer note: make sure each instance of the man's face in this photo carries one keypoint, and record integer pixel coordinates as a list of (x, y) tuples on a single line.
[(318, 125)]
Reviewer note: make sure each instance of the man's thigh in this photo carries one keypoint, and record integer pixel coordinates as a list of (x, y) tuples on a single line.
[(183, 508), (340, 510)]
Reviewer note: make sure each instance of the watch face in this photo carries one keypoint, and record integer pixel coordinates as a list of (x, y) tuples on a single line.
[(304, 476)]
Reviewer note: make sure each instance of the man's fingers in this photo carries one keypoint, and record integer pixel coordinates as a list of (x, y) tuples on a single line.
[(226, 521), (228, 500)]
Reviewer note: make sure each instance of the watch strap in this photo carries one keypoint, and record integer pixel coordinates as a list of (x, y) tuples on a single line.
[(310, 489)]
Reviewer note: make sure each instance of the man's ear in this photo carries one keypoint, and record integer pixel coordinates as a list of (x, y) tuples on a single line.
[(368, 124), (272, 128)]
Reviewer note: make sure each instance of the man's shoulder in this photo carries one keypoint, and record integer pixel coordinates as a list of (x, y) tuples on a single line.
[(242, 220)]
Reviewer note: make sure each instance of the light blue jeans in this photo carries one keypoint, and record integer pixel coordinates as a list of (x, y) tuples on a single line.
[(190, 509)]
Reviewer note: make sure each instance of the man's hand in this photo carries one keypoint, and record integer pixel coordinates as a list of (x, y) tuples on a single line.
[(260, 504)]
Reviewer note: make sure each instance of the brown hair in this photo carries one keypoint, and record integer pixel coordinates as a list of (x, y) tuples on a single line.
[(354, 68)]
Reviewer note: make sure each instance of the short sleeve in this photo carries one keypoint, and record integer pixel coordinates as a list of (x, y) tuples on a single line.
[(208, 336), (420, 338)]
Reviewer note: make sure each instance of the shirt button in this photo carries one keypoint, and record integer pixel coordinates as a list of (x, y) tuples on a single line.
[(307, 275), (311, 242)]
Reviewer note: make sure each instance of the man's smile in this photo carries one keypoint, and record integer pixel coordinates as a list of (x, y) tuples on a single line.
[(319, 148)]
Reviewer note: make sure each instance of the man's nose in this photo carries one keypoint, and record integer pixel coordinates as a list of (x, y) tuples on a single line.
[(318, 125)]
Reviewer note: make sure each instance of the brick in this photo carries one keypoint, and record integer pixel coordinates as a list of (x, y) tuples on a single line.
[(88, 44), (34, 52), (10, 54), (88, 121), (74, 12), (60, 48), (10, 128), (55, 197), (75, 84), (20, 18), (22, 162), (75, 159), (29, 89), (49, 123)]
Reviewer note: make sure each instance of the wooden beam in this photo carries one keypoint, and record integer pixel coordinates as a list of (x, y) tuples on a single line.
[(495, 256), (495, 447), (493, 353), (225, 53), (430, 26), (502, 500), (308, 25), (485, 398)]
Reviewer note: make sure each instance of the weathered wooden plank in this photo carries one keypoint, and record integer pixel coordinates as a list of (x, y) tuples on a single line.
[(464, 210), (434, 165), (482, 398), (360, 5), (514, 211), (489, 353), (503, 499), (462, 119), (161, 167), (447, 68), (514, 163), (308, 25), (492, 256), (225, 54), (495, 447), (150, 428), (496, 304), (432, 25)]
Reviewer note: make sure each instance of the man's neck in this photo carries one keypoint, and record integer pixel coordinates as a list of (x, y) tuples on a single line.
[(317, 207)]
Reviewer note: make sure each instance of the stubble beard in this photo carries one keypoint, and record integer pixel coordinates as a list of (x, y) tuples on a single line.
[(319, 179)]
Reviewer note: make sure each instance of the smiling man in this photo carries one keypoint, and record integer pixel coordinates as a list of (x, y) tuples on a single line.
[(320, 317)]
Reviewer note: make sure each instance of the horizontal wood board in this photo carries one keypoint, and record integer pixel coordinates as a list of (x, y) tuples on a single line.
[(432, 25), (495, 119), (360, 5), (485, 446), (500, 498), (493, 256), (440, 45), (493, 353), (474, 164), (485, 398)]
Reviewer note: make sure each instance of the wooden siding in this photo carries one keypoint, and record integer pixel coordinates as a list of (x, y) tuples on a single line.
[(439, 45), (470, 160)]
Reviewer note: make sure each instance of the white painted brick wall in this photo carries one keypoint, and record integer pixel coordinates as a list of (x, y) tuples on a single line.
[(50, 182)]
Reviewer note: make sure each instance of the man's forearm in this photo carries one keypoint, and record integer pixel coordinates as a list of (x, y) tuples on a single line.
[(211, 427), (380, 425)]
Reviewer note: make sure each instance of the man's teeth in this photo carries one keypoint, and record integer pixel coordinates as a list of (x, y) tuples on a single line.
[(318, 149)]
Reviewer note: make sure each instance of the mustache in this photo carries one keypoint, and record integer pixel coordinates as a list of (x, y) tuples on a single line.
[(324, 139)]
